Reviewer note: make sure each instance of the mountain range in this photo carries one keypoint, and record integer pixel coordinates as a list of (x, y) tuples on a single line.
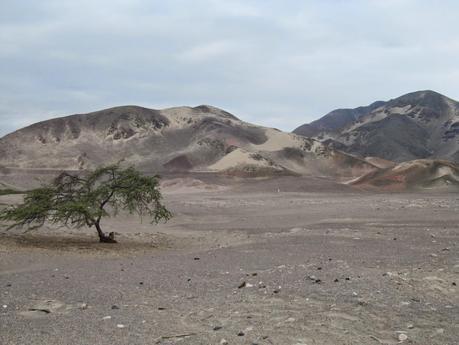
[(418, 125), (361, 145), (199, 139)]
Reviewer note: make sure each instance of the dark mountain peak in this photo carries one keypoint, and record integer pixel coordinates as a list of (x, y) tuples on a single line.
[(423, 98), (416, 125)]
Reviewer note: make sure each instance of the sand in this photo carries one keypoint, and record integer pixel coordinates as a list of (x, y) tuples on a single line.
[(278, 261)]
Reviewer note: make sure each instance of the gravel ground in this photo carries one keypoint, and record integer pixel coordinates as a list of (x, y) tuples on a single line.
[(243, 266)]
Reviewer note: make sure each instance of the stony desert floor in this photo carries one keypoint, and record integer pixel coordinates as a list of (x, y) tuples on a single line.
[(285, 261)]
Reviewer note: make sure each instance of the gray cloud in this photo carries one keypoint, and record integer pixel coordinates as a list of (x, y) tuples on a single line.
[(277, 63)]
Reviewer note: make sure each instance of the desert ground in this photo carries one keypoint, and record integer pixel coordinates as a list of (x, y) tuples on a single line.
[(289, 260)]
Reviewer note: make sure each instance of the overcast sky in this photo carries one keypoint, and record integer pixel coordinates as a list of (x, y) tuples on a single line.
[(275, 63)]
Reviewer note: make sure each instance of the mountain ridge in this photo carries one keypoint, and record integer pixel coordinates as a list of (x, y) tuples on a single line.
[(417, 125)]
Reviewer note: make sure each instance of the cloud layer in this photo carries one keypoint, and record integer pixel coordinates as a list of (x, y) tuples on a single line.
[(276, 63)]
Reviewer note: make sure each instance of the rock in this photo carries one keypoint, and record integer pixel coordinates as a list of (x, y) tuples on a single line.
[(242, 285), (410, 326), (196, 259), (108, 317), (223, 342), (336, 280), (120, 325), (240, 334), (115, 307), (402, 337), (217, 328), (4, 306)]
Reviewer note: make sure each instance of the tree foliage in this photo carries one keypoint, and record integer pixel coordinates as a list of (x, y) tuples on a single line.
[(83, 200)]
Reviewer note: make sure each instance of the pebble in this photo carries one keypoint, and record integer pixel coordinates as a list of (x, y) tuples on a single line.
[(402, 337)]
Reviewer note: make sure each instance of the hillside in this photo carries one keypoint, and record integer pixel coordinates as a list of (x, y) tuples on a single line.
[(199, 139), (422, 124)]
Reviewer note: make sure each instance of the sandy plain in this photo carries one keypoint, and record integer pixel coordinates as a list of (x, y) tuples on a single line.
[(288, 260)]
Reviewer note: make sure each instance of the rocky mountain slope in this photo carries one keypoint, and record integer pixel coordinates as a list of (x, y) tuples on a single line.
[(422, 173), (202, 138), (422, 124)]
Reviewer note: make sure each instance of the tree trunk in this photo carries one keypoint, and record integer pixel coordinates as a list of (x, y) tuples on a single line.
[(103, 238)]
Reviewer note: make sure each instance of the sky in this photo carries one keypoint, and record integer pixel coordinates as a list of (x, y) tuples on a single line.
[(274, 63)]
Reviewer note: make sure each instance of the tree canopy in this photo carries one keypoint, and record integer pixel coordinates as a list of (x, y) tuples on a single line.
[(78, 200)]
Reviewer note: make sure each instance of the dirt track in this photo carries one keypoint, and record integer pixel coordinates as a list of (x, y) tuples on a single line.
[(251, 265)]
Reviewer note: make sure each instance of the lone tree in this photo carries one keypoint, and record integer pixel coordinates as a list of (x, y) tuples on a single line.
[(78, 201)]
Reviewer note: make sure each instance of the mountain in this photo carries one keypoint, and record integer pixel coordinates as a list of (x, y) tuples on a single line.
[(423, 124), (199, 139)]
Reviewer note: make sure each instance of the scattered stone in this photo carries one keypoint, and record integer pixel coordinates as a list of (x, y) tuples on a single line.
[(336, 280), (114, 307), (108, 317), (196, 259), (223, 342), (8, 285), (433, 255), (140, 283), (161, 308), (217, 328), (319, 268), (120, 325), (240, 334), (355, 293), (347, 278), (83, 306), (445, 249), (276, 291), (453, 284), (313, 278), (410, 326), (242, 285), (249, 285), (254, 274), (4, 306), (402, 337)]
